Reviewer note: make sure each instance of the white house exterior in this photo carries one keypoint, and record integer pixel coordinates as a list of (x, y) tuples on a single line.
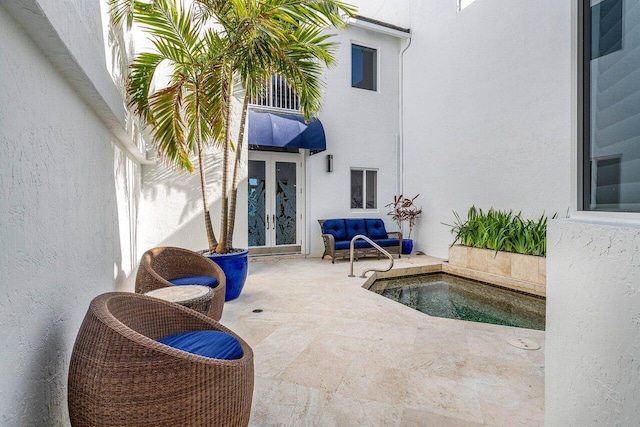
[(479, 108), (362, 128)]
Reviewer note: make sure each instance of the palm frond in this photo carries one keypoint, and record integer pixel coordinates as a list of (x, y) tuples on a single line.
[(143, 70), (121, 11), (168, 125)]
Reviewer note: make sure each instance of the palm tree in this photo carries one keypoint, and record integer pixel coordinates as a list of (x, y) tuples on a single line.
[(284, 37), (184, 116), (209, 48)]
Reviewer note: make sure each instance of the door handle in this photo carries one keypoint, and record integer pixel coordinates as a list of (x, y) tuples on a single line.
[(274, 221), (268, 226)]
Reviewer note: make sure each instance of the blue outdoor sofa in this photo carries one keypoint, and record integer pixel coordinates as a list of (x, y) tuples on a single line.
[(337, 235)]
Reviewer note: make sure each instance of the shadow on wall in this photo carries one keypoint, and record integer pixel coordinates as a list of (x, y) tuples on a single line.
[(171, 207), (174, 180), (126, 175), (45, 398), (191, 234)]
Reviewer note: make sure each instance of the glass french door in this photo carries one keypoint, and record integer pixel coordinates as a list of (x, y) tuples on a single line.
[(273, 214)]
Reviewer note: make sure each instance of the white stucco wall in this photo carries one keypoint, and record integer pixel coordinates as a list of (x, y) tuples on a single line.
[(395, 12), (361, 128), (68, 200), (593, 324), (171, 206), (487, 111)]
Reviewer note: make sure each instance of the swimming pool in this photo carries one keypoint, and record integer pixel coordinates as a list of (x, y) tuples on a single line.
[(453, 297)]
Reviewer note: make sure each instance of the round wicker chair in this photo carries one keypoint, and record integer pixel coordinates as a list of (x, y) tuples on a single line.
[(160, 264), (119, 375)]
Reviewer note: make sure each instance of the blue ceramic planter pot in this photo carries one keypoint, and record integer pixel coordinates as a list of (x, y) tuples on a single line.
[(407, 246), (235, 267)]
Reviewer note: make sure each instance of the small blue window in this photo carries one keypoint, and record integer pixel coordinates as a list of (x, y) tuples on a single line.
[(364, 67)]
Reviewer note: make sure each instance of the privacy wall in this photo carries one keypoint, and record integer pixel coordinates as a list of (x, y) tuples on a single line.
[(68, 201)]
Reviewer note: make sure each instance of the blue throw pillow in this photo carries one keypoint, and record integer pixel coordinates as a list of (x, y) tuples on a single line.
[(213, 344), (375, 229), (209, 281), (355, 227)]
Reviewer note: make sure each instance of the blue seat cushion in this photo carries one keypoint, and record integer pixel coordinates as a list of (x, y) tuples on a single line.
[(387, 242), (213, 344), (355, 227), (209, 281), (345, 244), (336, 228), (375, 228)]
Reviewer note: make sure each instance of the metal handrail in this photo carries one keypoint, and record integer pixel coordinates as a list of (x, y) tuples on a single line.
[(375, 245)]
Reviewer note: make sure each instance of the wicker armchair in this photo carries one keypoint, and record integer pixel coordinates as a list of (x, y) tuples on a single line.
[(157, 265), (119, 375)]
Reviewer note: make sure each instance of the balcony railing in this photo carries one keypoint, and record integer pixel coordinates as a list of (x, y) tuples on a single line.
[(278, 95)]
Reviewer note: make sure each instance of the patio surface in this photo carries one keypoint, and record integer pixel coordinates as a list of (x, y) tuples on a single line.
[(330, 353)]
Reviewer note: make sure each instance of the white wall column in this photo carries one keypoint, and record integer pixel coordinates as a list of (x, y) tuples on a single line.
[(593, 324)]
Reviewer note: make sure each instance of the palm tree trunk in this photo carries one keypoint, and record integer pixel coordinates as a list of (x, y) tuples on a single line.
[(223, 244), (236, 171), (203, 185)]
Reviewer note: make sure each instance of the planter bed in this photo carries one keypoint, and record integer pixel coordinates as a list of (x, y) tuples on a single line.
[(522, 272)]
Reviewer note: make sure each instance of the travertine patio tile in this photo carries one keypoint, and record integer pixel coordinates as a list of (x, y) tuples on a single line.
[(441, 363), (254, 331), (508, 373), (270, 359), (279, 403), (380, 383), (324, 363), (393, 354), (494, 344), (375, 330), (503, 406), (330, 353), (436, 338), (344, 410), (415, 418), (457, 398)]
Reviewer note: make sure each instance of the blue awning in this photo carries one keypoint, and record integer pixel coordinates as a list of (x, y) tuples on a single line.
[(284, 130)]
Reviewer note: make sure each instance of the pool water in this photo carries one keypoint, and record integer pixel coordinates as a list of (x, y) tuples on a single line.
[(444, 295)]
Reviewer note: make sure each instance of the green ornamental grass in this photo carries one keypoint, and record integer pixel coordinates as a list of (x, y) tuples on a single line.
[(501, 231)]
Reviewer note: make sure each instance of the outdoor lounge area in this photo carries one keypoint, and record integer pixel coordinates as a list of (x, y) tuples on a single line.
[(176, 174)]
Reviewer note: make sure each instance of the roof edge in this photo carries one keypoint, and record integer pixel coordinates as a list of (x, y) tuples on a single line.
[(379, 26)]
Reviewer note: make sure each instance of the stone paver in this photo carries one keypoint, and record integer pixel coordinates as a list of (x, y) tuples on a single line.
[(330, 353)]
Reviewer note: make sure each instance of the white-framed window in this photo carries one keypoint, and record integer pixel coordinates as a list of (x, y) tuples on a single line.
[(364, 67), (364, 189)]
